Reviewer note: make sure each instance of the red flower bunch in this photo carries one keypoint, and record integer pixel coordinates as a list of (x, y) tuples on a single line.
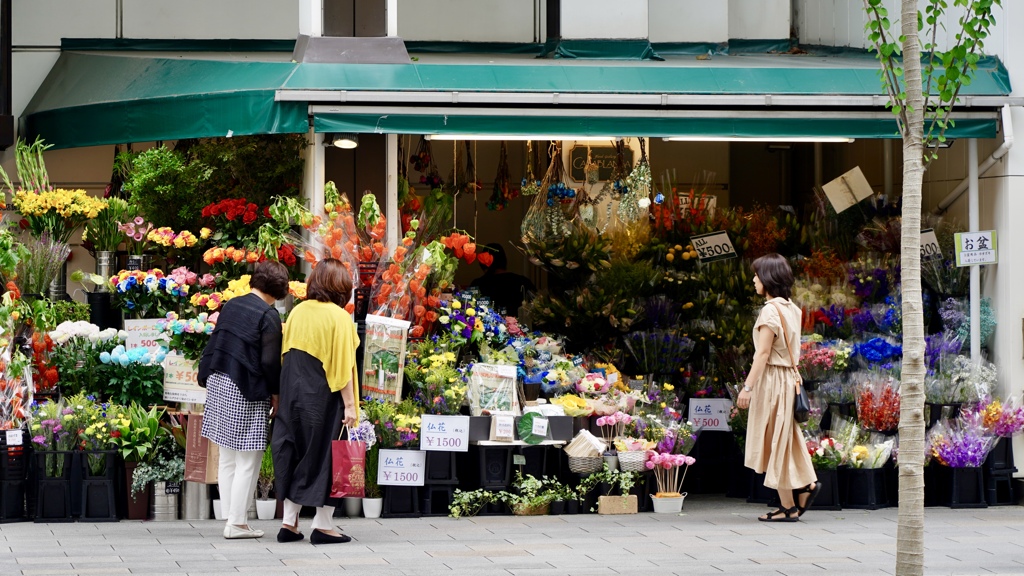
[(878, 408), (45, 377), (234, 208), (824, 265), (13, 289), (237, 220), (286, 255)]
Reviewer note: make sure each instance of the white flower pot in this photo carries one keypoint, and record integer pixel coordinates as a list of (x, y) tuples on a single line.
[(353, 507), (218, 514), (266, 509), (372, 507), (668, 505)]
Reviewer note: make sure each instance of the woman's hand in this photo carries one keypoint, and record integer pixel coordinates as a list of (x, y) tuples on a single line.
[(350, 416), (743, 400), (273, 406)]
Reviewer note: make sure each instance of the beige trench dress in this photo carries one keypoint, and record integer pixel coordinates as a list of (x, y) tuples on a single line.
[(775, 444)]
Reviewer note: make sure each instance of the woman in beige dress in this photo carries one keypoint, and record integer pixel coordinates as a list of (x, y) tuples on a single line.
[(775, 445)]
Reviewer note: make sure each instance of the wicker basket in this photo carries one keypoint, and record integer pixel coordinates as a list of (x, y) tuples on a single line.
[(538, 510), (632, 461), (585, 464)]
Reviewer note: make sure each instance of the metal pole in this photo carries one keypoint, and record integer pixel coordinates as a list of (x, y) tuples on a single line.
[(972, 175), (394, 217), (887, 166)]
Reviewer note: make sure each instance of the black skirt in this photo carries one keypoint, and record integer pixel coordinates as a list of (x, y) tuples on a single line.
[(308, 419)]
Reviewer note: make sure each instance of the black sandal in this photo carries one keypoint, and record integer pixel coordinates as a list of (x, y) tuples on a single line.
[(782, 515), (812, 492)]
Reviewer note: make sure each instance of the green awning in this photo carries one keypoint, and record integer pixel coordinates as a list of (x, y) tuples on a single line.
[(92, 99), (97, 98), (610, 127)]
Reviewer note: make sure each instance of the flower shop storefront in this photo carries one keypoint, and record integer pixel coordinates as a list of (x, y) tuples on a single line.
[(613, 382)]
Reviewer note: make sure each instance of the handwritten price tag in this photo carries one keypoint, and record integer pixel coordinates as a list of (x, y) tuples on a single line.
[(14, 437), (930, 249), (540, 427), (143, 333), (444, 433), (181, 380), (713, 246), (710, 414), (401, 467)]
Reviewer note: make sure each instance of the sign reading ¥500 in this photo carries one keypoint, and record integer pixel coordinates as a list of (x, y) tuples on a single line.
[(713, 246)]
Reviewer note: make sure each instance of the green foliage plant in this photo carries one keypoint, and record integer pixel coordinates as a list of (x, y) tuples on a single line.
[(166, 187)]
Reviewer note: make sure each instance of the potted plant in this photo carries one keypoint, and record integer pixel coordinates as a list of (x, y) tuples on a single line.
[(130, 375), (265, 507), (138, 435), (164, 474), (372, 502), (104, 235), (532, 496)]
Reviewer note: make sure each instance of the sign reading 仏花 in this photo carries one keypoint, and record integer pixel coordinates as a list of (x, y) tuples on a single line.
[(975, 248)]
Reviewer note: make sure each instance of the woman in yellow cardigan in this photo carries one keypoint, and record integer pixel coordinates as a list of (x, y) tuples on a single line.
[(318, 395)]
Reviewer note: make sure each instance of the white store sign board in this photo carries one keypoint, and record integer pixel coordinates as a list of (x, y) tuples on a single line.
[(710, 413), (401, 467), (975, 248), (444, 433), (145, 333)]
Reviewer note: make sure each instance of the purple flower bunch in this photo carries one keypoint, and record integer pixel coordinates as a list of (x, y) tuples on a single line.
[(938, 346), (961, 449)]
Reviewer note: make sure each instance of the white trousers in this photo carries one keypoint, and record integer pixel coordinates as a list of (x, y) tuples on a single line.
[(239, 472), (321, 521)]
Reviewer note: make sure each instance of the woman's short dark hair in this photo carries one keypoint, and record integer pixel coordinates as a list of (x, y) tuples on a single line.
[(271, 278), (329, 282), (775, 275)]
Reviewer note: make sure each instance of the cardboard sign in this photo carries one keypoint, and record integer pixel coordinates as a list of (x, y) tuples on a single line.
[(181, 380), (144, 333), (848, 190), (710, 413), (974, 248), (503, 428), (930, 249), (444, 433), (14, 437), (713, 246), (401, 467)]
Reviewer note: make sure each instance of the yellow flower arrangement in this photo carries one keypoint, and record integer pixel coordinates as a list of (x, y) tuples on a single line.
[(58, 212), (573, 405), (297, 289)]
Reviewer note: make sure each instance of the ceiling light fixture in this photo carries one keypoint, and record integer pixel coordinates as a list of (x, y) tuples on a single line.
[(343, 141)]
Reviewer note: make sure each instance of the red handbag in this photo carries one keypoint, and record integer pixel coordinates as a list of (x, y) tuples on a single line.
[(348, 468)]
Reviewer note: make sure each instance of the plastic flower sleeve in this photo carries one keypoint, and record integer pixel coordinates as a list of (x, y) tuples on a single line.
[(384, 357), (492, 388)]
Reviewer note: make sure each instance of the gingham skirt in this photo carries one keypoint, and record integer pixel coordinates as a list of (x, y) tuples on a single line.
[(232, 421)]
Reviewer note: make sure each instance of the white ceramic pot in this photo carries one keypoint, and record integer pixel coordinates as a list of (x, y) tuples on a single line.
[(612, 460), (266, 509), (668, 505), (218, 514), (353, 507), (372, 507)]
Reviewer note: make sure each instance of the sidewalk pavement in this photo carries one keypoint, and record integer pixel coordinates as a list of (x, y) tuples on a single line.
[(713, 535)]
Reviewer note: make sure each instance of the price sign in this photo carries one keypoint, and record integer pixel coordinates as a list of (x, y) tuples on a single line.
[(713, 246), (930, 249), (181, 380), (14, 437), (444, 433), (503, 427), (518, 460), (172, 488), (974, 248), (710, 414), (401, 467), (540, 427), (144, 333)]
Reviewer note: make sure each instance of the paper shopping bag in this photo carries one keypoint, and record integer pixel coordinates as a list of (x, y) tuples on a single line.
[(348, 464), (202, 457)]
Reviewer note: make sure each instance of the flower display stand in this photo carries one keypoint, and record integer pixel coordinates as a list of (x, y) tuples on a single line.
[(440, 468), (1001, 456), (863, 488), (998, 474), (436, 500), (958, 487), (99, 501), (53, 481), (13, 474), (759, 493), (828, 498), (401, 502)]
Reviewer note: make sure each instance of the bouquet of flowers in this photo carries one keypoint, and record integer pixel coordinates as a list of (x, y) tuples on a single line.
[(1002, 419), (103, 232), (231, 262), (862, 449), (878, 405), (130, 375), (58, 212), (878, 351), (819, 360), (366, 432), (39, 263), (147, 294), (54, 429), (613, 426), (439, 386), (573, 405), (396, 425), (593, 384), (13, 363), (666, 468), (172, 242), (659, 352), (956, 318), (136, 233), (236, 221), (188, 336), (826, 453), (973, 381), (960, 445), (213, 301), (76, 353)]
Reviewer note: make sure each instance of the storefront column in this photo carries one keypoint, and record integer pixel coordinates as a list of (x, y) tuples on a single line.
[(311, 17), (391, 203), (313, 177), (974, 218)]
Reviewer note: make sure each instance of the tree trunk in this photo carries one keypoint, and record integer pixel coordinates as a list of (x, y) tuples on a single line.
[(910, 530)]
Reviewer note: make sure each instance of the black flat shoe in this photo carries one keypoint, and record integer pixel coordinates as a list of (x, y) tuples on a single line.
[(812, 493), (286, 535), (782, 515), (318, 537)]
